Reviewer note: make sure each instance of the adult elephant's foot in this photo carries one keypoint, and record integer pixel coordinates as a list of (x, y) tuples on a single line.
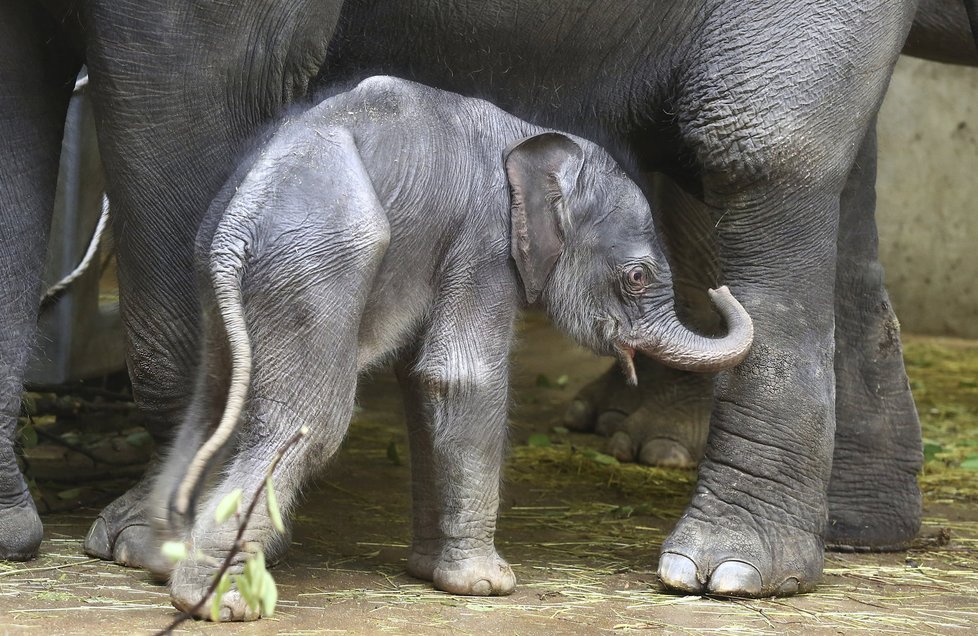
[(874, 498), (603, 404), (121, 533), (663, 421), (20, 530), (480, 575), (424, 559), (476, 576), (732, 555)]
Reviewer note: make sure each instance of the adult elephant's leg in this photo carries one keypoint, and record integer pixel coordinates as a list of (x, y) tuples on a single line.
[(178, 91), (874, 499), (775, 153), (664, 420), (36, 79)]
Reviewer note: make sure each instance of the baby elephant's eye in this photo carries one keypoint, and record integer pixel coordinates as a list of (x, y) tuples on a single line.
[(636, 278)]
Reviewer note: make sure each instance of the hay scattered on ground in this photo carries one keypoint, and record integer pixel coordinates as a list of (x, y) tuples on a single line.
[(582, 532)]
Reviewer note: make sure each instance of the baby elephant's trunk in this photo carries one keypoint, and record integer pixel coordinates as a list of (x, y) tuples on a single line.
[(226, 265), (674, 344)]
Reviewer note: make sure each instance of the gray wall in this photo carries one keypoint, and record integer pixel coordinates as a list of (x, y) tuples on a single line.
[(928, 197)]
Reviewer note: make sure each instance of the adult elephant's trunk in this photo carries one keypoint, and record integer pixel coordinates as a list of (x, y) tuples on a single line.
[(672, 343)]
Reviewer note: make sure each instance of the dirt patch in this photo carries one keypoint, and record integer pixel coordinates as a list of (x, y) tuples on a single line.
[(581, 531)]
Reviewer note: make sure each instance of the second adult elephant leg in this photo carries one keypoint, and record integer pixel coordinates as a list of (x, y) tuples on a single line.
[(36, 78), (776, 154), (174, 115), (874, 499)]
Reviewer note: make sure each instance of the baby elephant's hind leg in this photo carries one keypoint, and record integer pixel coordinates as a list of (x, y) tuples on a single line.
[(304, 287)]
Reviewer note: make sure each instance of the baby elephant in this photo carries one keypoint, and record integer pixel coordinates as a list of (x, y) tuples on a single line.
[(400, 223)]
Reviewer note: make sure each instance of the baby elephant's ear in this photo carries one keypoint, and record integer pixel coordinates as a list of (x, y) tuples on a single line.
[(542, 172)]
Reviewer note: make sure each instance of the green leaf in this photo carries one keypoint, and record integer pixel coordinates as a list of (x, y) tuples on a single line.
[(258, 583), (175, 551), (222, 588), (28, 436), (392, 454), (228, 506), (562, 380), (273, 511), (607, 460), (269, 596), (224, 584), (139, 439), (539, 440), (245, 589), (622, 512), (560, 430), (970, 463), (71, 493), (931, 450)]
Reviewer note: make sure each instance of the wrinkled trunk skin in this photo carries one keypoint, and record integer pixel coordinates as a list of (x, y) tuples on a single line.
[(671, 342), (36, 79)]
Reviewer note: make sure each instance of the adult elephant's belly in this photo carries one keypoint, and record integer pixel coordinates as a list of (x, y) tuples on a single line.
[(595, 69)]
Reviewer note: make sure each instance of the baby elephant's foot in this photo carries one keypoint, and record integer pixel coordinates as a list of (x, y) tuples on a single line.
[(476, 576), (190, 582)]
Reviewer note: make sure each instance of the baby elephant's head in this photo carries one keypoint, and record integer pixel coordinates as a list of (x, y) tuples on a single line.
[(583, 241)]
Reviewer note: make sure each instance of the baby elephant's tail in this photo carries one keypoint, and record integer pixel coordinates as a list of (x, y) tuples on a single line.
[(226, 266)]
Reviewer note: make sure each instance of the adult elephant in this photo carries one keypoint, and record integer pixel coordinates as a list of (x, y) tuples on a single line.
[(664, 421), (757, 109)]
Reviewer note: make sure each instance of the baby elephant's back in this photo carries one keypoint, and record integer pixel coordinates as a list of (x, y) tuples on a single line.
[(421, 146)]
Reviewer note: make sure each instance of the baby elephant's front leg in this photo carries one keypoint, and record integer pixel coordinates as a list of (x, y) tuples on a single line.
[(461, 414)]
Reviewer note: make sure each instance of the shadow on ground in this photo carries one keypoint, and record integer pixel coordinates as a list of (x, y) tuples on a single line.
[(581, 531)]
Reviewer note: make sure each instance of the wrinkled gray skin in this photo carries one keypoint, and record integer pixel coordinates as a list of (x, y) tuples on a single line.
[(665, 420), (399, 221), (758, 111)]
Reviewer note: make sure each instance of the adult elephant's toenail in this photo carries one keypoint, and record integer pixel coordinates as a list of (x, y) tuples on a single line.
[(621, 447), (666, 453), (610, 422), (678, 573), (579, 416), (735, 578), (97, 543)]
